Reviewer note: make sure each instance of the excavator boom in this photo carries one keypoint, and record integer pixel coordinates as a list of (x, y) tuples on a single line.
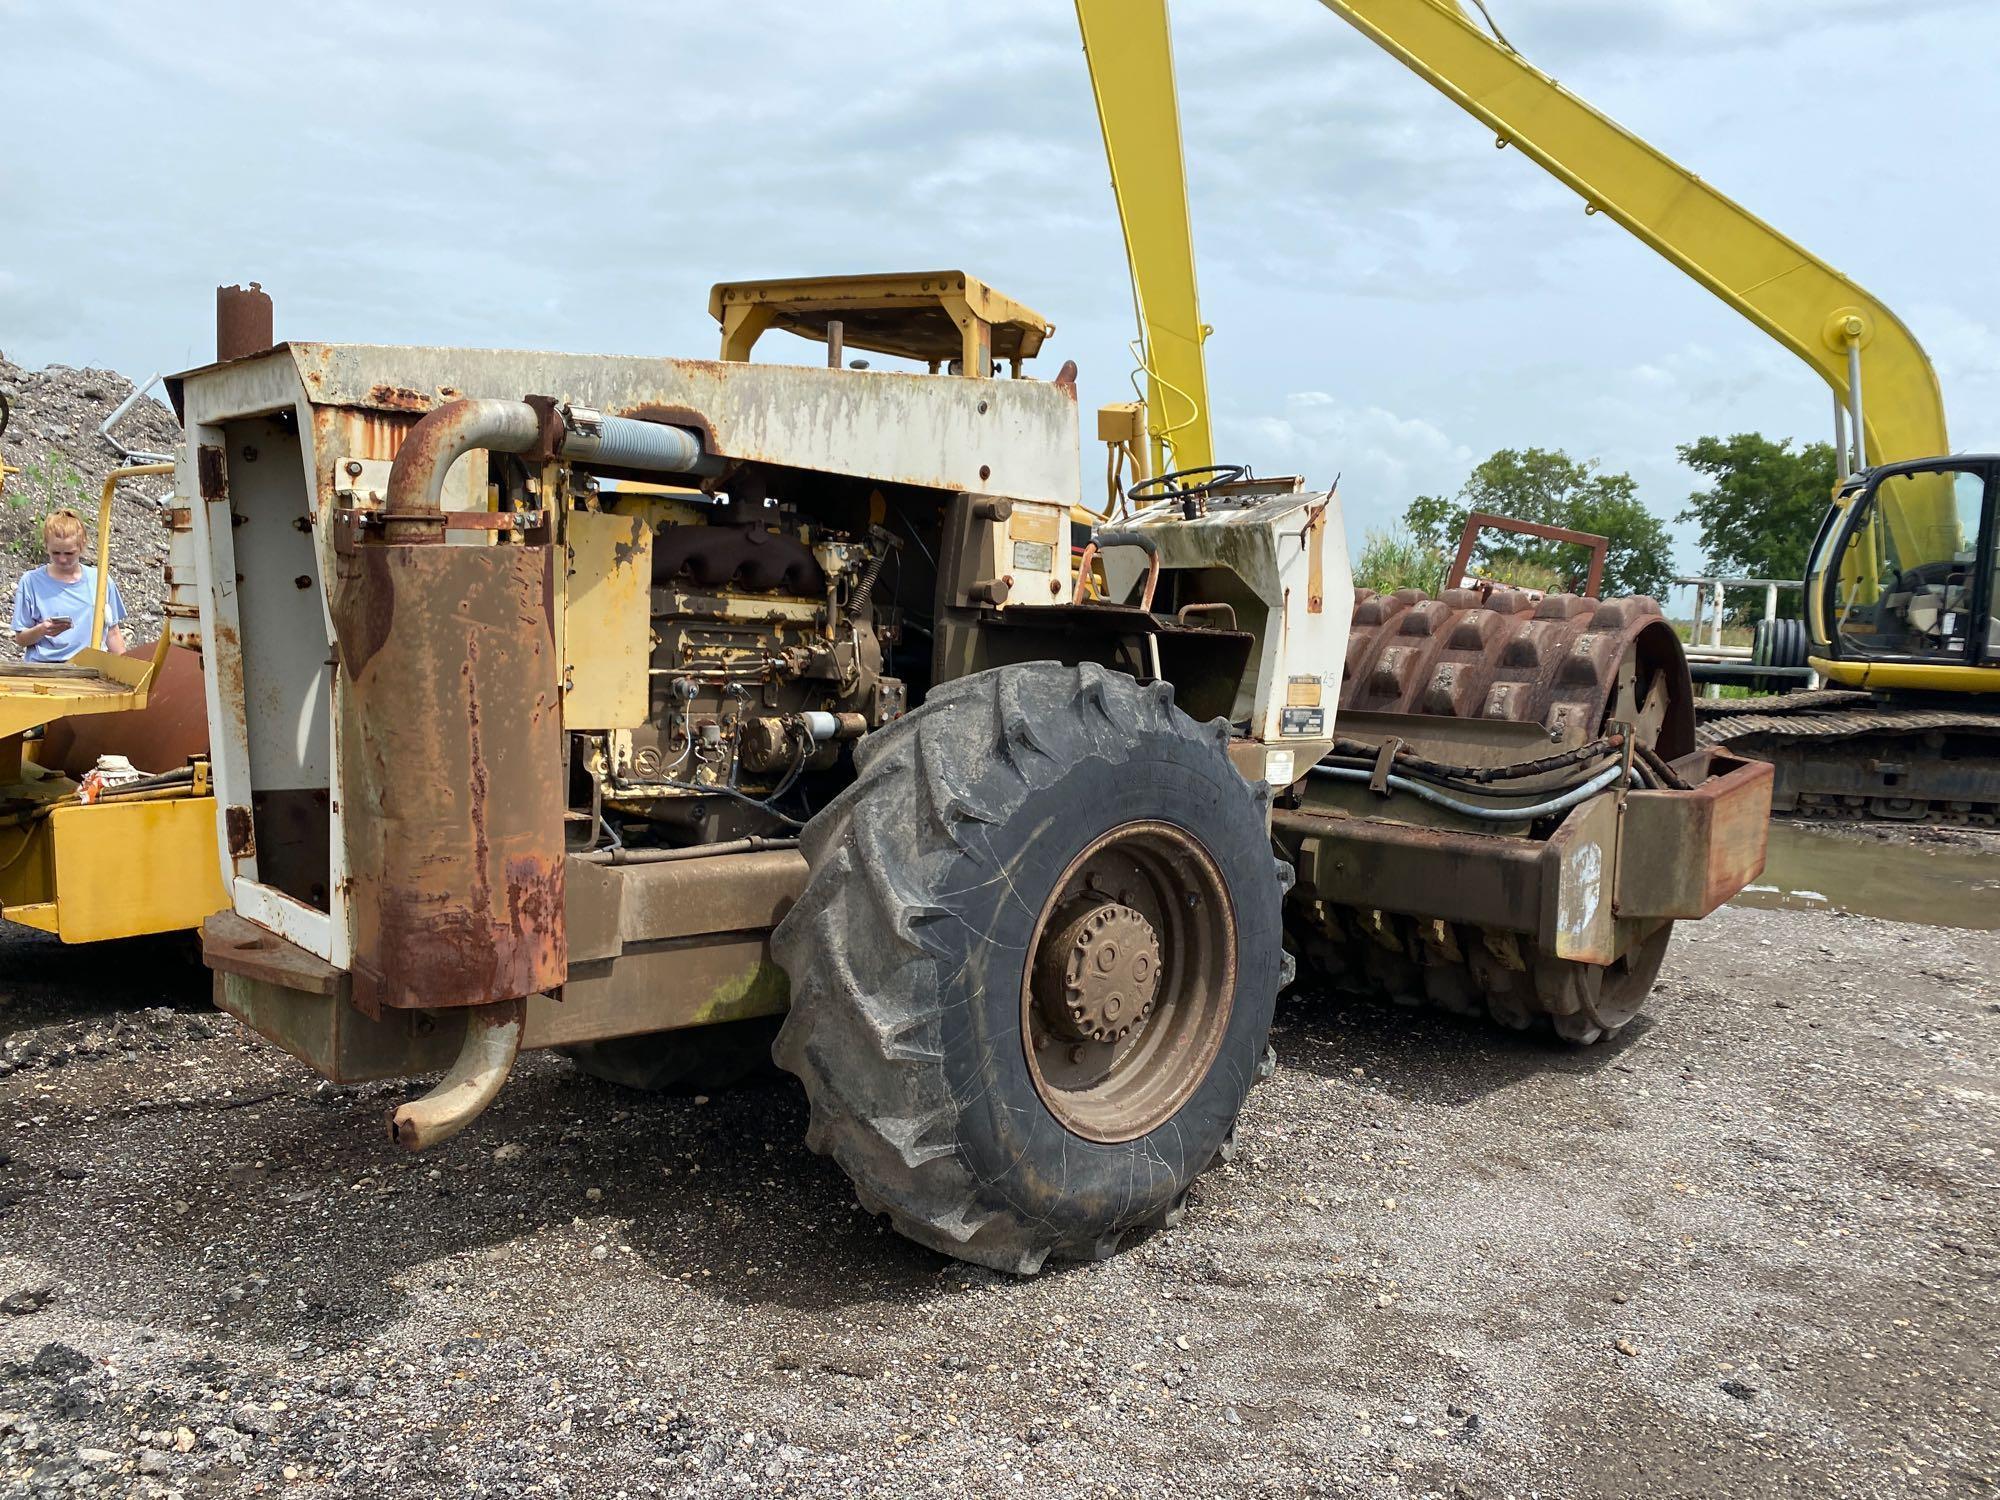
[(1885, 388), (1786, 290), (1132, 72)]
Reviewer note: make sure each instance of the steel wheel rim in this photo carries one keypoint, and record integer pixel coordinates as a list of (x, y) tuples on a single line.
[(1625, 985), (1123, 1069)]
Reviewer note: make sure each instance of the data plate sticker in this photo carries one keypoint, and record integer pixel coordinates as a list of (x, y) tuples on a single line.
[(1303, 721), (1034, 525), (1034, 557)]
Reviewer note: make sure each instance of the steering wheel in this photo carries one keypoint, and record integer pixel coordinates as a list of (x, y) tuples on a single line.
[(1209, 477)]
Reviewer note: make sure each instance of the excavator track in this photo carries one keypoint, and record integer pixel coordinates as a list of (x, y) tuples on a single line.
[(1572, 665), (1846, 754)]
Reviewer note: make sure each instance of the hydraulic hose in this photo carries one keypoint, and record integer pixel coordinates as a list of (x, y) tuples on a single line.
[(1642, 776), (661, 856), (1410, 760), (1605, 778)]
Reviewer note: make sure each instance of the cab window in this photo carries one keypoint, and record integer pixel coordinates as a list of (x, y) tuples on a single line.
[(1909, 579)]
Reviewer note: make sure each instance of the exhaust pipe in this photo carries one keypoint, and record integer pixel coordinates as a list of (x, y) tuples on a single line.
[(242, 322), (492, 1042), (439, 440), (416, 479)]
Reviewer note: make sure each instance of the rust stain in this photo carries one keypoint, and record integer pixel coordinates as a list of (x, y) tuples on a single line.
[(1315, 541), (455, 844), (370, 434), (674, 416), (481, 781), (399, 398), (227, 662), (242, 833), (212, 473)]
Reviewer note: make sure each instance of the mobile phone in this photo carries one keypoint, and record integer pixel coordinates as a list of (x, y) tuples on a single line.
[(62, 623)]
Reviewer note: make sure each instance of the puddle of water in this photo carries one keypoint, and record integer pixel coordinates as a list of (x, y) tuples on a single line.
[(1935, 885)]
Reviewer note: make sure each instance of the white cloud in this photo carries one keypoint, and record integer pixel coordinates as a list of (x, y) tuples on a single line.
[(1383, 459), (1392, 296)]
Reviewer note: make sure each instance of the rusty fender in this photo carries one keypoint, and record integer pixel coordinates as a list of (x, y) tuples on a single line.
[(492, 1042)]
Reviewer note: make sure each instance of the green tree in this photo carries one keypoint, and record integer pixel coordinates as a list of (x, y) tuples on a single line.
[(1550, 487), (1392, 560), (1763, 505)]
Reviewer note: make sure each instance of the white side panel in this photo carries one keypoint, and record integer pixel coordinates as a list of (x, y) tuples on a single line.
[(281, 607), (996, 437), (1289, 554), (222, 653), (291, 920), (268, 709)]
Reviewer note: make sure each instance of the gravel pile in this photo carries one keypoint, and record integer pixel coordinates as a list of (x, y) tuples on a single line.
[(1752, 1249), (52, 438)]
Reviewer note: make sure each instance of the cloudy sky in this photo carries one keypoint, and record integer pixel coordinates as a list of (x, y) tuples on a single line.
[(1393, 298)]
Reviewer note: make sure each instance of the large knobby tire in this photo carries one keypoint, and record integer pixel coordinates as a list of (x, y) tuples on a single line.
[(1039, 854), (693, 1060)]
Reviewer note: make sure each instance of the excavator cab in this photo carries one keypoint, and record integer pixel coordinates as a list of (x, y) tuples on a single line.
[(1902, 574)]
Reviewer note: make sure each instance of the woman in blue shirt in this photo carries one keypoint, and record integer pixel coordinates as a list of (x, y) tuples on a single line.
[(53, 604)]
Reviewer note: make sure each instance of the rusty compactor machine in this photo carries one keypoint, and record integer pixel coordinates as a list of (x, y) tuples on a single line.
[(626, 705)]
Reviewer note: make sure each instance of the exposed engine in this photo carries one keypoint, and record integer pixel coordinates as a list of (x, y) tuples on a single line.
[(768, 643)]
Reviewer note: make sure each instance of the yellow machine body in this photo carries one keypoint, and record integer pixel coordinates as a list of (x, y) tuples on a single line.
[(1132, 72), (125, 866), (113, 869)]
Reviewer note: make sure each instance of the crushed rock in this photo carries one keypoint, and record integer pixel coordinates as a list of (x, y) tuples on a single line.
[(52, 438)]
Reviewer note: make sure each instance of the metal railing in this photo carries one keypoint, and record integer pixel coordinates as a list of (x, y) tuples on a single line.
[(1708, 610), (1709, 613)]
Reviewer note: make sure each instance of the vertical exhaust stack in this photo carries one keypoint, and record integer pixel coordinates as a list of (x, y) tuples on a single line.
[(450, 722), (242, 321), (451, 725)]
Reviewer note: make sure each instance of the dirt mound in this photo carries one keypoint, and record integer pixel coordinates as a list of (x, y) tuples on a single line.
[(52, 439)]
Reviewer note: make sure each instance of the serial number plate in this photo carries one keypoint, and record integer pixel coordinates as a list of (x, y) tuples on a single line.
[(1034, 557), (1303, 721)]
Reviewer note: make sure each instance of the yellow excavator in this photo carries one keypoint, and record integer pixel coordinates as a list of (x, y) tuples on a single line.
[(1901, 607)]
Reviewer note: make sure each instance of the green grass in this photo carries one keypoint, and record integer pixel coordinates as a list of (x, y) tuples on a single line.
[(46, 485), (1393, 560)]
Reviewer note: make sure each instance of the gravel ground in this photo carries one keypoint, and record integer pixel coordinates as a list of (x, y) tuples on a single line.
[(1751, 1249), (52, 439)]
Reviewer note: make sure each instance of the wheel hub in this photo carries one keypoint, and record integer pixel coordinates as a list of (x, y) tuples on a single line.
[(1129, 982), (1101, 975)]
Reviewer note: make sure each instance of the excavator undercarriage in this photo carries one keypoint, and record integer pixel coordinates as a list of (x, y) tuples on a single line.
[(1842, 753)]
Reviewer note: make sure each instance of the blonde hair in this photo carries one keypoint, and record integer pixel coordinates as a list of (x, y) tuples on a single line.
[(63, 525)]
